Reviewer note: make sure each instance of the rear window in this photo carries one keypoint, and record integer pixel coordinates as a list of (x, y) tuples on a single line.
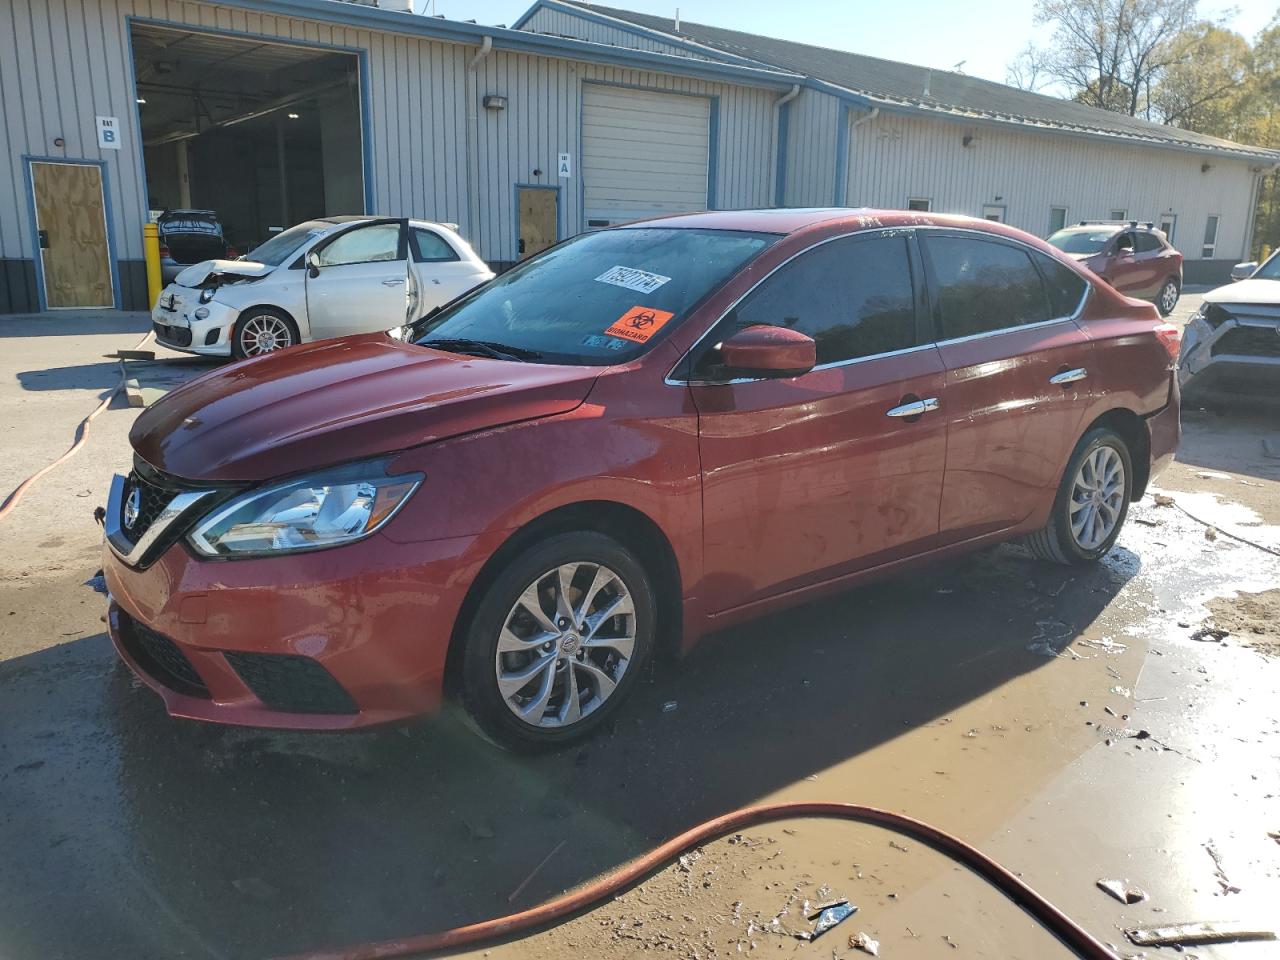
[(1081, 241), (190, 222), (984, 286), (1064, 286), (600, 298)]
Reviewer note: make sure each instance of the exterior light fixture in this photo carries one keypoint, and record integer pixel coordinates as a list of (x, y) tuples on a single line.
[(494, 102)]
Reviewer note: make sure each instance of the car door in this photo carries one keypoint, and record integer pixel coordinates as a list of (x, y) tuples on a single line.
[(1123, 270), (1017, 369), (439, 273), (1149, 273), (839, 469), (357, 281)]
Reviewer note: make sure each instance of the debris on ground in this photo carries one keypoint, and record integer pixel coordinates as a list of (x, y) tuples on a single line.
[(1145, 522), (864, 943), (1211, 475), (1196, 934), (97, 582), (828, 919), (1163, 500), (1122, 891), (671, 706), (1218, 873), (813, 913), (1252, 619), (1209, 634), (1210, 534)]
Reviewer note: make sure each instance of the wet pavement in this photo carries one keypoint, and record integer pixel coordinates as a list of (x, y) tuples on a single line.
[(1067, 722)]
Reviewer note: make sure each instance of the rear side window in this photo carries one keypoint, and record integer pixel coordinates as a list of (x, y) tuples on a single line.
[(1149, 243), (430, 247), (1065, 287), (985, 285), (853, 296)]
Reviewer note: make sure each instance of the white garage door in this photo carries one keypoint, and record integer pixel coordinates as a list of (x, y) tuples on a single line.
[(643, 153)]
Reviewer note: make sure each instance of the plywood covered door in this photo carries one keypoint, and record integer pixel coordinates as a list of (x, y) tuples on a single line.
[(538, 218), (644, 153), (71, 223)]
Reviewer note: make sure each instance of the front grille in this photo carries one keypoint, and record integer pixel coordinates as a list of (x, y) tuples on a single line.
[(291, 683), (1249, 342), (149, 503), (159, 656), (178, 336)]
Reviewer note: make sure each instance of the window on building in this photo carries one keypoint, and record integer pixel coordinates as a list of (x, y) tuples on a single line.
[(985, 286), (430, 247), (1210, 238), (1168, 223), (994, 212), (1119, 214), (1064, 286), (363, 245), (853, 296), (1057, 218), (923, 204)]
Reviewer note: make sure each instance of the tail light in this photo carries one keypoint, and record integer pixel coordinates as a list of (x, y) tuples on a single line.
[(232, 253), (1171, 337), (164, 250)]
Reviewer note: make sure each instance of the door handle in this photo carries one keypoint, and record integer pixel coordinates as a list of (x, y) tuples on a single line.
[(393, 282), (913, 409), (1069, 376)]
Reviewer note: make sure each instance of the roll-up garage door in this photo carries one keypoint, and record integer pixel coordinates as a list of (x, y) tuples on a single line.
[(643, 153)]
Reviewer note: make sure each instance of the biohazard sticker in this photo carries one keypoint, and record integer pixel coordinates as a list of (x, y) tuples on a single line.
[(639, 324), (633, 279)]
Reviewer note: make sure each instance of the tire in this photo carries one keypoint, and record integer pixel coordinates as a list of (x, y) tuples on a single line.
[(537, 645), (1058, 541), (264, 320), (1168, 296)]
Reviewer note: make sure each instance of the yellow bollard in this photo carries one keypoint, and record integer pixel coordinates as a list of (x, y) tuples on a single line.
[(151, 251)]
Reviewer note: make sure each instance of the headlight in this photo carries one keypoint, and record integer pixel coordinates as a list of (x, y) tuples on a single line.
[(206, 294), (323, 510)]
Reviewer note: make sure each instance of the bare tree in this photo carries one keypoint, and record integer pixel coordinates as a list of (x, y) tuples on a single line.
[(1027, 72), (1110, 51)]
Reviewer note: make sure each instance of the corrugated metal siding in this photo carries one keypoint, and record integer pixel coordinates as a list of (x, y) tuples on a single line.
[(812, 134), (894, 157), (561, 24)]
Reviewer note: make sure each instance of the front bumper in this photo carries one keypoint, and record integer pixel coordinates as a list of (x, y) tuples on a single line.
[(335, 639), (174, 321), (1241, 356)]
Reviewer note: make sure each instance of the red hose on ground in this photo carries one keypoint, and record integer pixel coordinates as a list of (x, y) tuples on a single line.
[(1063, 927)]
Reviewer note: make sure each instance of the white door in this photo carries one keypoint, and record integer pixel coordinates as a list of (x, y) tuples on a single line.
[(358, 283), (643, 153)]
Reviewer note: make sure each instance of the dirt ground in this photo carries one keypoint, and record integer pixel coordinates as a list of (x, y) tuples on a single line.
[(1076, 725)]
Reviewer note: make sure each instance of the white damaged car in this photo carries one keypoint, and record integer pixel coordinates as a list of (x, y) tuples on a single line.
[(1232, 344), (322, 278)]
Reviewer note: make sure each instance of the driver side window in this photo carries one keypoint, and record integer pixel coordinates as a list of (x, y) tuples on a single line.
[(372, 244)]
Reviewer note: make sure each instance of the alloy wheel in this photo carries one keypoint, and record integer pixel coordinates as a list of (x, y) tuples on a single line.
[(565, 644), (1169, 297), (263, 334), (1097, 497)]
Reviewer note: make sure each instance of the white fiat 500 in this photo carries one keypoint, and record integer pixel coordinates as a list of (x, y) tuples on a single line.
[(322, 278)]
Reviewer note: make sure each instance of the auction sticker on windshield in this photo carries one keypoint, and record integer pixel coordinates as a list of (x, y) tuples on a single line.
[(639, 324), (633, 279)]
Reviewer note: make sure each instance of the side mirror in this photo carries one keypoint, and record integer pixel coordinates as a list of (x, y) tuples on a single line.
[(769, 351), (313, 265), (1243, 271)]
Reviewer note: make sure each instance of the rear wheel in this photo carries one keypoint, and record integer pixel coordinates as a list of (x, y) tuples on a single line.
[(557, 641), (1168, 298), (1092, 501), (262, 330)]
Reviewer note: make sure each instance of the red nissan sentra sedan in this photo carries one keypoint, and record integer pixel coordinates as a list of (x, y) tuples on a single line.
[(638, 436)]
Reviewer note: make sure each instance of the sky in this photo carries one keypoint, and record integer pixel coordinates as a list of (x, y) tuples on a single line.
[(984, 35)]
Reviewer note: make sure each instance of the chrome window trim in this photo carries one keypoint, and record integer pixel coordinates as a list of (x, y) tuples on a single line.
[(674, 381), (113, 527)]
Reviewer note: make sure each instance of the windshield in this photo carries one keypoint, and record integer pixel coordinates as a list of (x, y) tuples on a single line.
[(1270, 270), (1081, 241), (600, 298), (283, 245)]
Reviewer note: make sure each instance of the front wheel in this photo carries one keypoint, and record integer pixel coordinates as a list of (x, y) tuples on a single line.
[(557, 641), (1168, 298), (261, 330), (1092, 501)]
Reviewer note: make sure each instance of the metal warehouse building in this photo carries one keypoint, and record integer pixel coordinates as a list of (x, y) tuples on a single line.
[(275, 111)]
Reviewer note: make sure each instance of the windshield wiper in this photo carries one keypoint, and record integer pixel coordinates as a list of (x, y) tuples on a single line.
[(484, 348)]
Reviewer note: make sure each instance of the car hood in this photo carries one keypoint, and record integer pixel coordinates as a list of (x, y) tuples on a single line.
[(198, 273), (1246, 291), (338, 400)]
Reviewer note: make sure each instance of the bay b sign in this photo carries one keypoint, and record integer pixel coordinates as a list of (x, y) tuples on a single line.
[(108, 133)]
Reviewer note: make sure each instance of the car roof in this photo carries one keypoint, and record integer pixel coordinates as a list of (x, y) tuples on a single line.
[(791, 220)]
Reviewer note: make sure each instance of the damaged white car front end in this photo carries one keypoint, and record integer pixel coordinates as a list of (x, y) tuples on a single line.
[(196, 313), (1232, 343)]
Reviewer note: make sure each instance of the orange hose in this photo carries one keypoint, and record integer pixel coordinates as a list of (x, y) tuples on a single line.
[(1063, 927)]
